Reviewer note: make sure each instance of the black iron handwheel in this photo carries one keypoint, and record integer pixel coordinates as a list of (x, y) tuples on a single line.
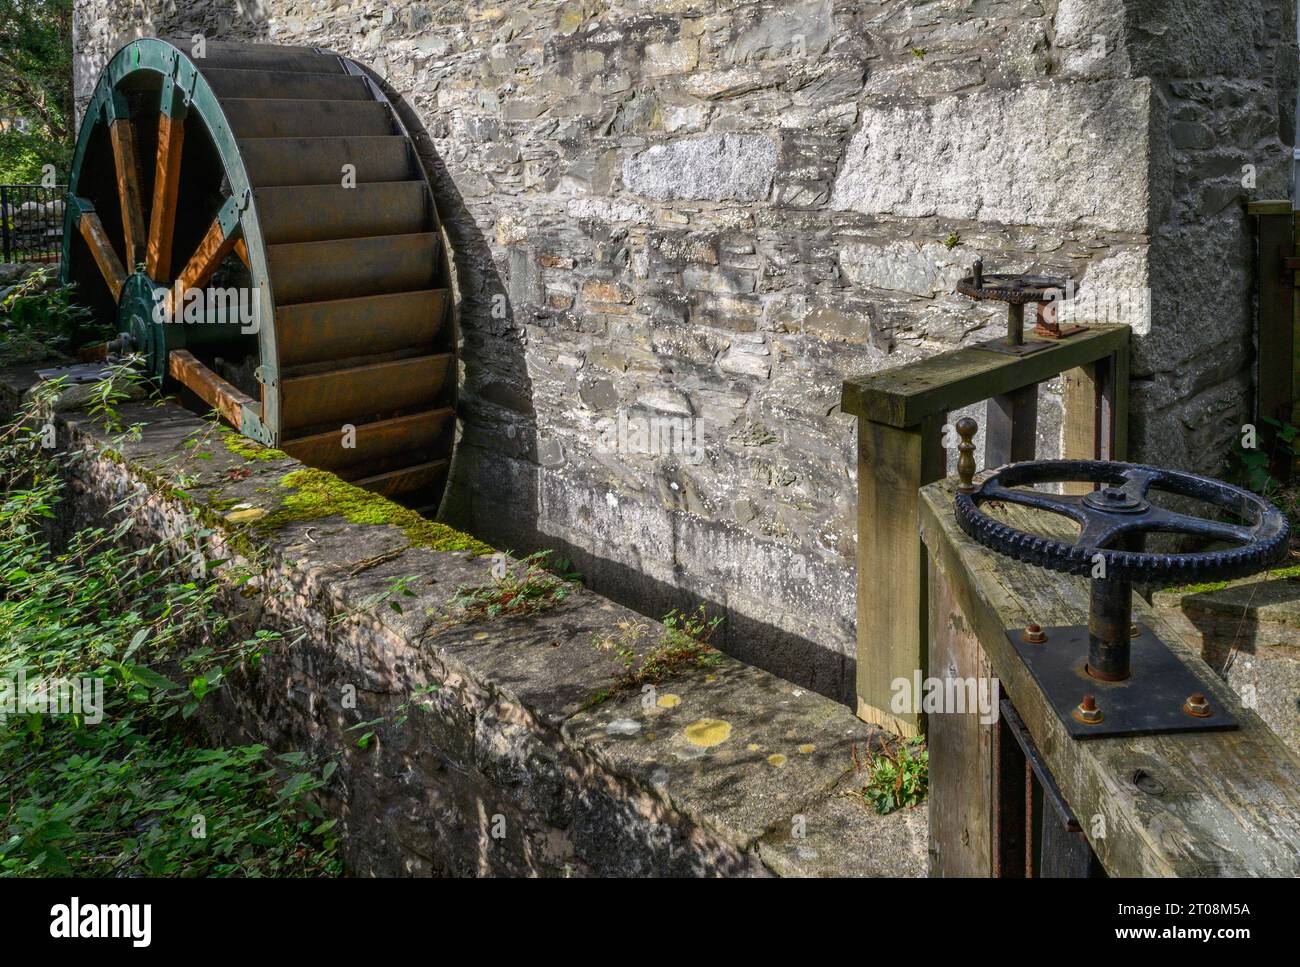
[(1114, 514)]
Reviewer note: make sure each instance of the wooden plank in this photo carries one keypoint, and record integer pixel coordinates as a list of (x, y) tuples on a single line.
[(1270, 206), (1275, 395), (892, 465), (1082, 403), (212, 248), (905, 395), (110, 266), (122, 133), (962, 807), (222, 396), (1229, 803), (1011, 427), (166, 185)]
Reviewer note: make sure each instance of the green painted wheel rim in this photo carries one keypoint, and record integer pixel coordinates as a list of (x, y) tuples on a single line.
[(182, 79)]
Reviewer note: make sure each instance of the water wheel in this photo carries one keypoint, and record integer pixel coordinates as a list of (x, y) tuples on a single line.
[(258, 224)]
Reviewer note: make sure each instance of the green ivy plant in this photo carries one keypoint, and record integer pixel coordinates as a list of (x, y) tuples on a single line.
[(896, 777), (131, 788)]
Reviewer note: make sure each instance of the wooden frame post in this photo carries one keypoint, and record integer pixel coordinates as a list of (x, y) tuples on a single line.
[(1278, 331), (901, 414), (893, 464)]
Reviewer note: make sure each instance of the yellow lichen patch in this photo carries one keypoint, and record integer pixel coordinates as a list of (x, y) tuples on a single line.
[(707, 733), (753, 747), (669, 700), (776, 759), (481, 636), (316, 493), (241, 515), (807, 747), (651, 736)]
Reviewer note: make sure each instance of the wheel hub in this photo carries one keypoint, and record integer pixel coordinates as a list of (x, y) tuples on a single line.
[(138, 322), (1115, 500)]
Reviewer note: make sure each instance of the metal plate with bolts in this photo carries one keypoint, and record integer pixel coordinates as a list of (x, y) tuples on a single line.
[(1149, 702), (1000, 345)]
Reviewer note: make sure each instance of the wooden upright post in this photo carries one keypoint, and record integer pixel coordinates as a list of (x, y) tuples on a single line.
[(893, 464)]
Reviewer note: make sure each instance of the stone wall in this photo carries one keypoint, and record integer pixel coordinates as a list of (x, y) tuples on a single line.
[(466, 745), (715, 210)]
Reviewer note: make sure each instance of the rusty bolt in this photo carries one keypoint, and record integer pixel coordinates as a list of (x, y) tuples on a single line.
[(1087, 712), (1034, 634), (1198, 706)]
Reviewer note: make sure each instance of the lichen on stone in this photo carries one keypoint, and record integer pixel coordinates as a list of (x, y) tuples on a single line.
[(242, 446), (317, 493)]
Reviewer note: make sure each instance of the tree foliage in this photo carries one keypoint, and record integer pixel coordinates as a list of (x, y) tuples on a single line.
[(35, 88)]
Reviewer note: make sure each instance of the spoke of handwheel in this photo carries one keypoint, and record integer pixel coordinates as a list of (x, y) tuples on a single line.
[(1175, 523), (122, 133), (1098, 532), (1138, 482), (110, 266), (166, 183), (1052, 503)]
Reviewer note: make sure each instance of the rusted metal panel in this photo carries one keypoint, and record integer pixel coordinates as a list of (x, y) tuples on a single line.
[(399, 483), (317, 271), (311, 332), (352, 395), (319, 161), (316, 213), (375, 445), (241, 56), (305, 118), (237, 83)]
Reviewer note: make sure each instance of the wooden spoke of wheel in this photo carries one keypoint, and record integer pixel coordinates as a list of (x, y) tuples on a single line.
[(110, 266), (213, 247), (208, 386), (128, 190), (167, 180)]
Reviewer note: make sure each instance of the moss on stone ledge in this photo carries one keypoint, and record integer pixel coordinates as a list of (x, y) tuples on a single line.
[(242, 446), (317, 493), (1274, 575)]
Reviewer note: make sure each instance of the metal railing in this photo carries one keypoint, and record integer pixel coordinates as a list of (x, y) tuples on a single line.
[(31, 223)]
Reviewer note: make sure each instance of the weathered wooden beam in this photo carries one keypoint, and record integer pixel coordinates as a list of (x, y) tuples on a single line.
[(110, 266), (905, 395), (212, 249), (166, 185), (893, 464), (1210, 803), (1011, 427), (130, 197), (222, 396)]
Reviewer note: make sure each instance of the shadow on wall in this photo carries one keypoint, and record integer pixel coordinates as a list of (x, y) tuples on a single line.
[(496, 485), (499, 488)]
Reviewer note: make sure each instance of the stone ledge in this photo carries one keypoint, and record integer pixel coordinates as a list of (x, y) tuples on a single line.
[(1249, 632), (706, 778)]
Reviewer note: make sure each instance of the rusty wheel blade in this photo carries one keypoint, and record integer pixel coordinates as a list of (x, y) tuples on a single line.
[(314, 332), (319, 161), (378, 445), (321, 212), (357, 394), (305, 118), (236, 83), (320, 271)]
